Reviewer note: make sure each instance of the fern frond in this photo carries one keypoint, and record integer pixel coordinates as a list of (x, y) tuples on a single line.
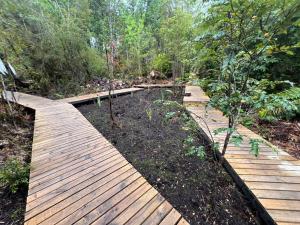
[(291, 94)]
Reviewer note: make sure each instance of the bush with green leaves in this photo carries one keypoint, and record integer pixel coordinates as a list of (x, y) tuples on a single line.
[(162, 63), (14, 175)]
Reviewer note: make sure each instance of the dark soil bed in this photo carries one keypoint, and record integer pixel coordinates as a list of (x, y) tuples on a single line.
[(200, 189), (284, 134), (15, 143)]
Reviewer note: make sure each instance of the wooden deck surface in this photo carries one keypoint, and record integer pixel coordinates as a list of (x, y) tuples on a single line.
[(169, 85), (78, 177), (273, 178), (83, 98)]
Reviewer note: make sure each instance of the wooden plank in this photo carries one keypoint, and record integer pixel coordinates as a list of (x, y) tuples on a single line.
[(118, 208), (172, 218), (280, 204), (182, 222), (55, 205), (135, 207), (277, 194), (83, 98), (263, 161), (282, 167), (273, 186), (92, 203), (287, 223), (274, 179), (146, 211), (77, 172), (70, 169), (267, 172), (77, 178), (72, 162), (68, 155), (159, 214), (285, 216)]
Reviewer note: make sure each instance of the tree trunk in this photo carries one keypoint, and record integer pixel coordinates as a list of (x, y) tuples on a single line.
[(228, 135)]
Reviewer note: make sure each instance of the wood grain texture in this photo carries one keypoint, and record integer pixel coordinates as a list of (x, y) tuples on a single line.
[(77, 176)]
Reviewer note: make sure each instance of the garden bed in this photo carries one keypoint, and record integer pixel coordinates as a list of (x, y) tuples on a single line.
[(15, 152), (154, 139), (284, 134)]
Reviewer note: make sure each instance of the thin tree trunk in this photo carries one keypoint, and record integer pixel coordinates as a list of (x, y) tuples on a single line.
[(109, 88), (228, 135)]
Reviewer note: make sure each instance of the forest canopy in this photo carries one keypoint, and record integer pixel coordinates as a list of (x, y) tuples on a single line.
[(61, 45)]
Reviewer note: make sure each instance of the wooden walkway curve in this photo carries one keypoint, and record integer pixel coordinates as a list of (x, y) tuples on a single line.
[(78, 177), (273, 179)]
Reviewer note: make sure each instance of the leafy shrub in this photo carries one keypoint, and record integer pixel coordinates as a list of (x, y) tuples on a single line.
[(273, 107), (14, 175), (291, 94), (283, 105), (162, 63), (264, 97), (96, 64), (272, 86)]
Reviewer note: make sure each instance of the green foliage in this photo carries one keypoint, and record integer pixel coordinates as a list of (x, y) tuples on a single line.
[(192, 126), (162, 63), (47, 42), (292, 94), (149, 113), (199, 151), (14, 175), (273, 107), (99, 103), (168, 104), (222, 130), (254, 143), (177, 34), (170, 115), (61, 44), (236, 139)]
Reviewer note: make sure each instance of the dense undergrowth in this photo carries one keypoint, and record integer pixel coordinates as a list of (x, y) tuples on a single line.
[(15, 153), (62, 45)]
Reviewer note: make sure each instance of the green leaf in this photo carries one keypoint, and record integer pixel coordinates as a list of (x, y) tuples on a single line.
[(222, 130), (236, 139), (254, 144)]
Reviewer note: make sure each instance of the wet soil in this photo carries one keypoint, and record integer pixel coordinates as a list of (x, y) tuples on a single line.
[(15, 142), (155, 143)]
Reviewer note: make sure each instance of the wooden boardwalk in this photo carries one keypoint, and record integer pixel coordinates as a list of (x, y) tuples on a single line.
[(273, 179), (78, 177), (84, 98)]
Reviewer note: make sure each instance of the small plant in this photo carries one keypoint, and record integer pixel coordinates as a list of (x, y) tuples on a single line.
[(99, 102), (254, 143), (188, 141), (149, 113), (192, 126), (14, 175), (198, 151), (170, 115), (191, 149)]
